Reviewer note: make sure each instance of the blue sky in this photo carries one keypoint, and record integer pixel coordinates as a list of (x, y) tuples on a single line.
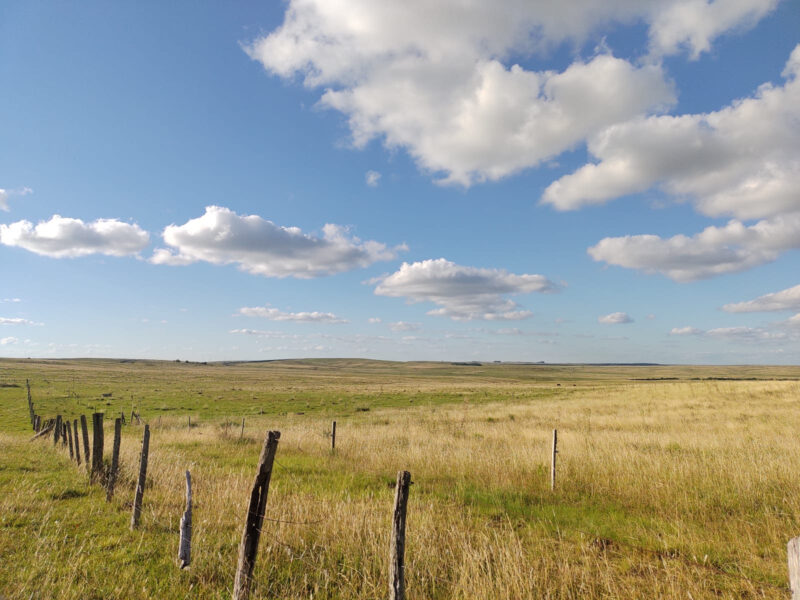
[(575, 182)]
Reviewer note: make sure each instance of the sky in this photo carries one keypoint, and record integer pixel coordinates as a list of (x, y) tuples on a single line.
[(571, 181)]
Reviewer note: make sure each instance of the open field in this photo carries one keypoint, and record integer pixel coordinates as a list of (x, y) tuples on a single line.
[(673, 482)]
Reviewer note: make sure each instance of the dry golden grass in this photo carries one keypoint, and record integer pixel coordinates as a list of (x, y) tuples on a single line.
[(669, 489)]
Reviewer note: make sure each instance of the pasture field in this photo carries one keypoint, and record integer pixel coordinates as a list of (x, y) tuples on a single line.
[(673, 482)]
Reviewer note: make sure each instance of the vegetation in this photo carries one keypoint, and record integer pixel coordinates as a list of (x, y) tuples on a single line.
[(673, 482)]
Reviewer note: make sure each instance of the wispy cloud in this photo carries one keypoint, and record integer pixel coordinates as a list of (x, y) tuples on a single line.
[(17, 321), (372, 178), (6, 194), (274, 314), (788, 299), (617, 318)]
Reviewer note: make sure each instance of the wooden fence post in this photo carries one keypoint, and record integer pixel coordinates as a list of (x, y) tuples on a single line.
[(97, 447), (122, 416), (241, 433), (397, 580), (137, 501), (77, 437), (793, 552), (112, 473), (248, 548), (553, 461), (57, 431), (69, 437), (185, 546), (85, 432), (333, 436)]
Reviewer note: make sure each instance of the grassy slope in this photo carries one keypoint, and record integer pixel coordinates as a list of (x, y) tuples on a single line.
[(671, 488)]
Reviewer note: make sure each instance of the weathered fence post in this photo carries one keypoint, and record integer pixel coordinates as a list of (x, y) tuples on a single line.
[(241, 433), (397, 580), (122, 416), (37, 424), (77, 437), (185, 546), (57, 431), (333, 436), (112, 473), (85, 432), (69, 437), (97, 447), (553, 461), (793, 552), (248, 548), (137, 501)]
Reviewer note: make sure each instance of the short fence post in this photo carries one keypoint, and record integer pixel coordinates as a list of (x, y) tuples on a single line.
[(333, 436), (97, 447), (57, 431), (137, 501), (248, 548), (112, 473), (77, 437), (69, 437), (553, 461), (397, 580), (793, 552), (85, 432), (122, 416), (185, 546), (241, 434)]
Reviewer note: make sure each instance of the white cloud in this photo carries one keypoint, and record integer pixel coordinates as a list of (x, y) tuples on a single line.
[(686, 331), (8, 340), (462, 293), (62, 237), (439, 78), (273, 314), (267, 334), (742, 161), (788, 299), (6, 194), (261, 247), (715, 251), (374, 320), (16, 321), (616, 318), (14, 300), (372, 178), (695, 24), (404, 326)]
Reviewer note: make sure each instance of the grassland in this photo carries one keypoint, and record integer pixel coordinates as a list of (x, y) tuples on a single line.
[(674, 482)]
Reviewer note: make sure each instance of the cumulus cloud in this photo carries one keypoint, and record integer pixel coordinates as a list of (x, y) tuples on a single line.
[(16, 321), (62, 237), (714, 251), (6, 194), (372, 178), (8, 340), (273, 314), (261, 247), (617, 318), (741, 161), (374, 320), (438, 78), (788, 299), (462, 293)]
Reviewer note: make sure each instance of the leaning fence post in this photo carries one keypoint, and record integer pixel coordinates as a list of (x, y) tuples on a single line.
[(553, 461), (97, 447), (112, 473), (793, 552), (137, 501), (248, 548), (85, 432), (77, 437), (185, 546), (397, 580), (333, 436)]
